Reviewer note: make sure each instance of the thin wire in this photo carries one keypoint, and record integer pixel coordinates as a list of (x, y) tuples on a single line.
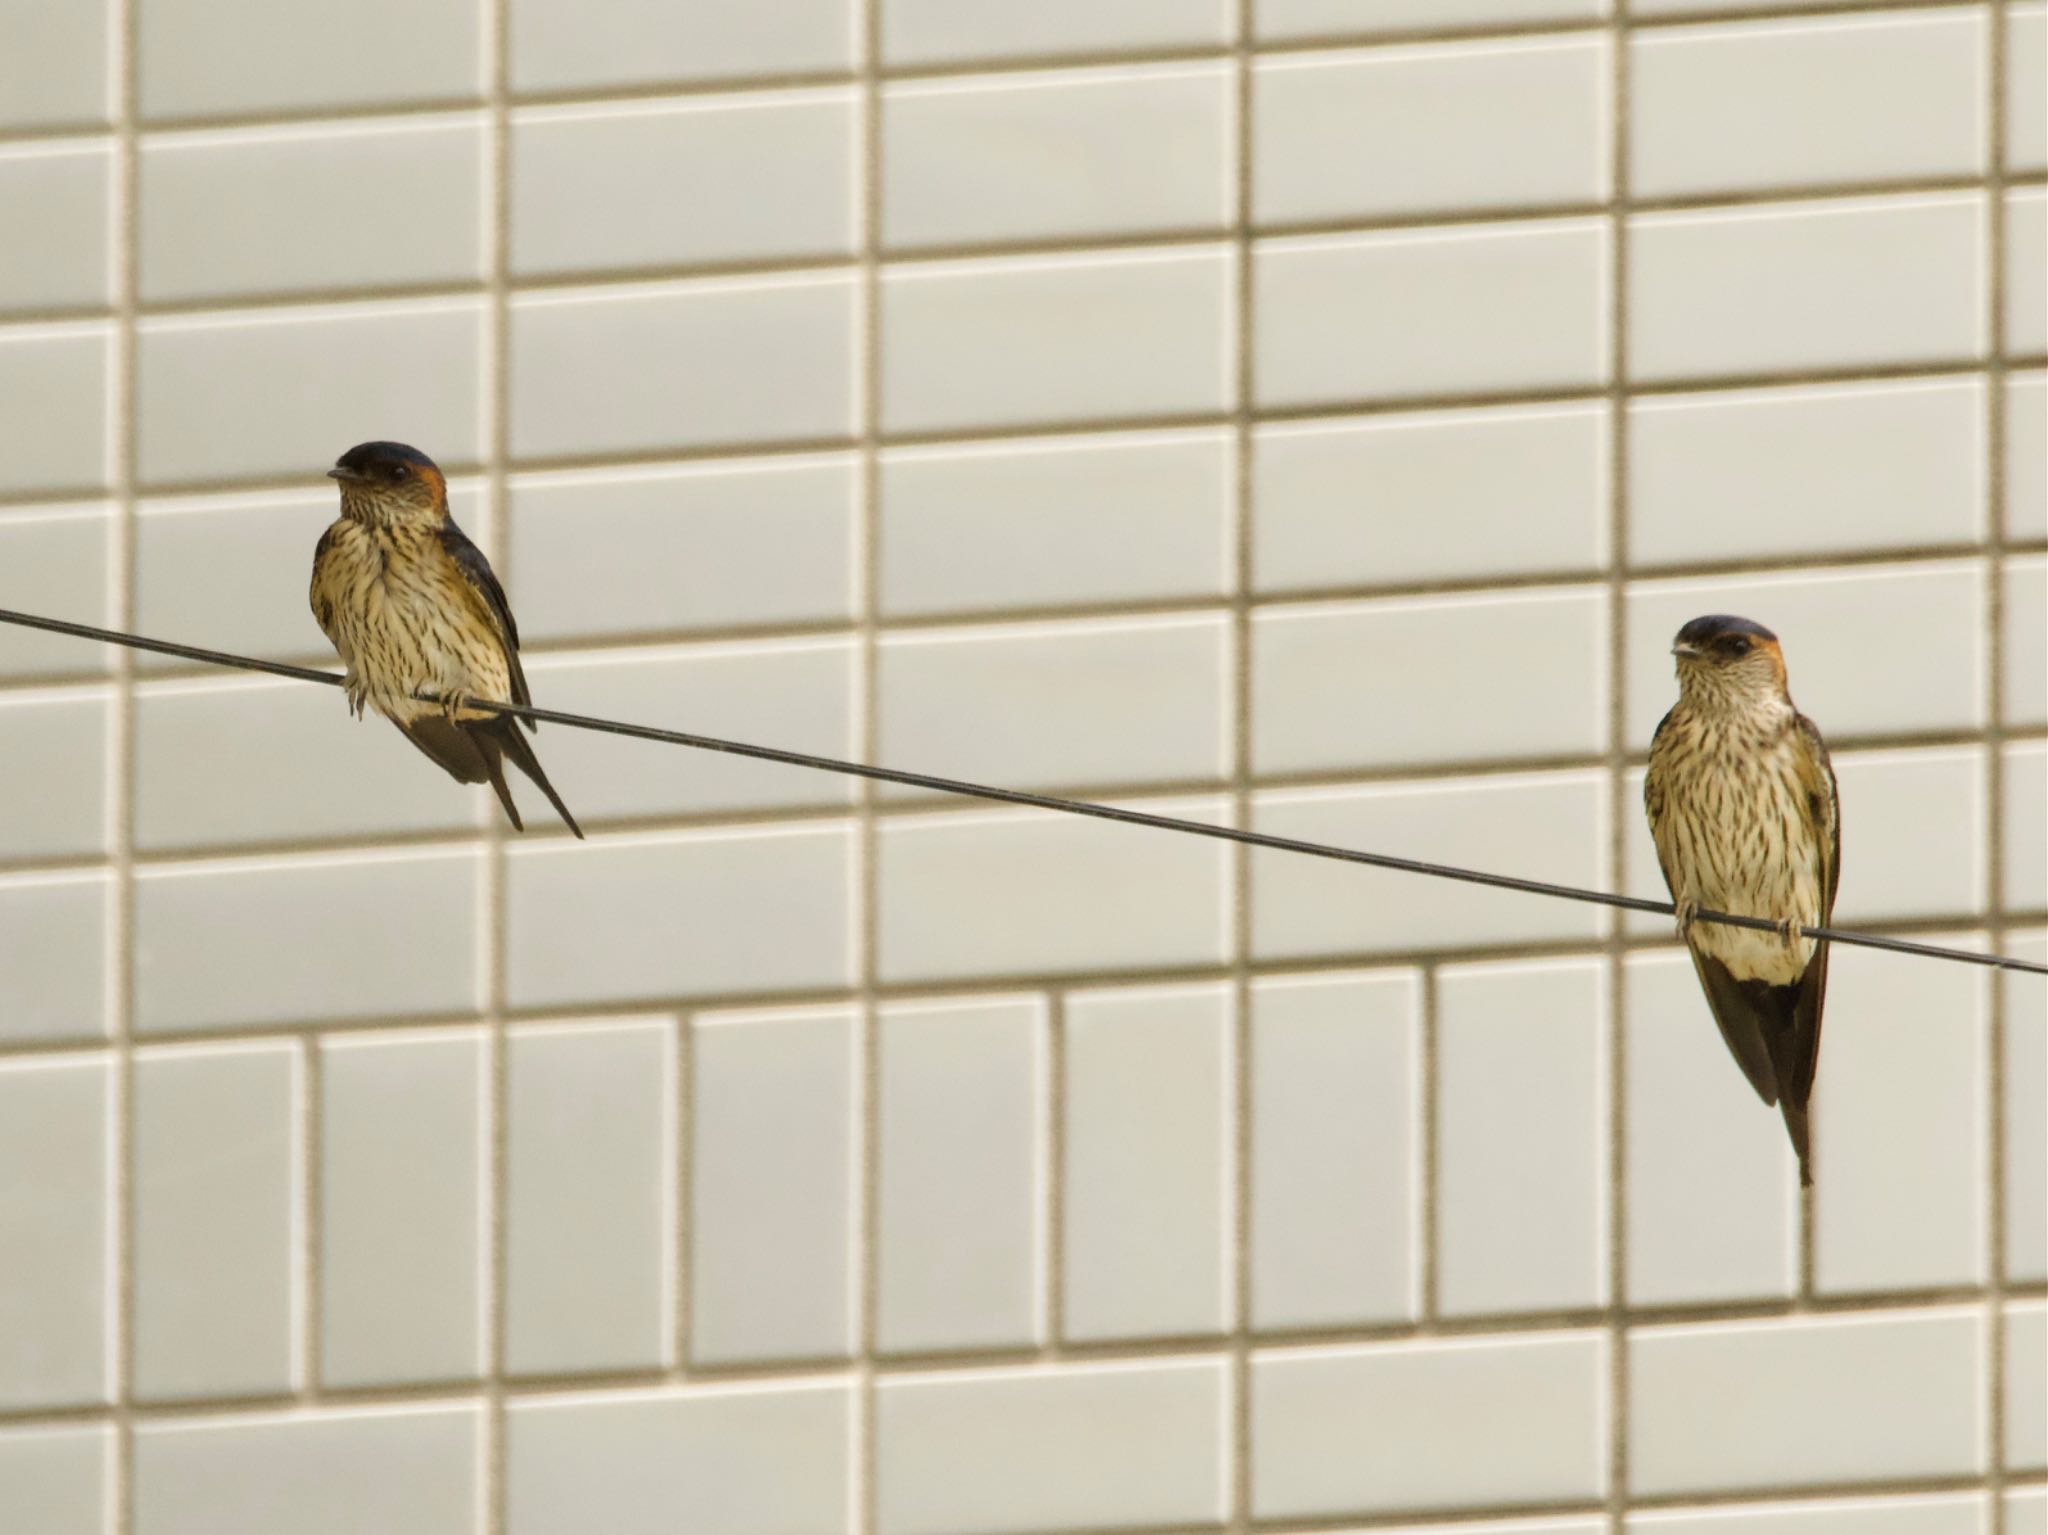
[(1045, 801)]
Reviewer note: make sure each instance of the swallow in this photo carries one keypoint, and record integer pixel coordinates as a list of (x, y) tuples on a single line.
[(1747, 820), (412, 607)]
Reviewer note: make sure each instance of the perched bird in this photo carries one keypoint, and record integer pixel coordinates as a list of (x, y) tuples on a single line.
[(1742, 804), (412, 606)]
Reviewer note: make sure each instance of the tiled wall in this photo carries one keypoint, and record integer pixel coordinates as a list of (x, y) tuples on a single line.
[(1317, 417)]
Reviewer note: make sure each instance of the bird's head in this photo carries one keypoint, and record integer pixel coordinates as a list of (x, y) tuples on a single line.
[(388, 483), (1728, 659)]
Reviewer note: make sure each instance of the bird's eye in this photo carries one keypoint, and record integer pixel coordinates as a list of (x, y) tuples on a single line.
[(1738, 646), (399, 471)]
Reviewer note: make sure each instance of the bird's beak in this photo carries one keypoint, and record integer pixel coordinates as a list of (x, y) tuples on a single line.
[(1684, 651), (346, 476)]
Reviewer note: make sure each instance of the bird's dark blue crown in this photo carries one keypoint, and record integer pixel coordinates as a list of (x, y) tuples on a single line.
[(1704, 631), (365, 456)]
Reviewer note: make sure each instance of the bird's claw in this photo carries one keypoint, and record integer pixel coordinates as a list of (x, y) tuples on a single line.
[(1688, 914), (453, 702), (1788, 932), (357, 692)]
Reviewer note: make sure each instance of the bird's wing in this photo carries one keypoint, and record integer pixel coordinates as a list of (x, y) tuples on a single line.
[(1801, 1053), (323, 603), (483, 583)]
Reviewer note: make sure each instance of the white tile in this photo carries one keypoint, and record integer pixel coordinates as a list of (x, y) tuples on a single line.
[(2026, 242), (958, 1239), (1388, 131), (644, 42), (1712, 1202), (304, 929), (216, 1166), (1748, 474), (402, 1233), (2025, 699), (796, 694), (1113, 518), (1530, 1417), (311, 208), (1056, 339), (647, 550), (1900, 1123), (1805, 103), (58, 1479), (683, 365), (993, 157), (2026, 1115), (60, 66), (56, 1233), (1832, 623), (1024, 704), (2026, 1386), (64, 192), (56, 561), (283, 761), (2026, 456), (1942, 1514), (203, 58), (1755, 290), (210, 406), (764, 176), (590, 1228), (2026, 1510), (1356, 317), (2026, 89), (55, 957), (1148, 1129), (1280, 19), (57, 753), (769, 911), (1522, 1136), (1543, 825), (1073, 895), (1440, 495), (1335, 1155), (2026, 826), (1329, 690), (772, 1164), (374, 1471), (745, 1460), (55, 384), (1089, 1446), (1825, 1399), (945, 31)]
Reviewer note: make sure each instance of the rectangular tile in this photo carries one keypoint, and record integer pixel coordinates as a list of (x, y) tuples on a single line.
[(1148, 1126), (1022, 704), (1901, 1396), (1432, 312), (688, 365), (1939, 1514), (64, 192), (57, 749), (1522, 1107), (772, 1161), (416, 913), (1073, 1446), (2026, 241), (639, 551), (56, 1234), (1396, 131), (2026, 1386), (1042, 340), (1336, 1160), (56, 560), (1545, 825), (1750, 474), (402, 1227), (1807, 102), (987, 158), (58, 1479), (614, 43), (372, 1471), (354, 371), (959, 1247), (2026, 455), (1531, 1416), (1097, 519), (1758, 290), (1325, 698), (947, 31), (2026, 87), (1454, 495), (744, 1460), (2025, 833), (217, 1169), (2025, 1151), (55, 435), (2024, 699), (311, 208), (766, 176), (1285, 19), (55, 957), (1073, 896), (64, 71)]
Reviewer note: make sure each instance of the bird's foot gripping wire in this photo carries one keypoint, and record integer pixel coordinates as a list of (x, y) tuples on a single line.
[(356, 689), (452, 702), (1688, 914)]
